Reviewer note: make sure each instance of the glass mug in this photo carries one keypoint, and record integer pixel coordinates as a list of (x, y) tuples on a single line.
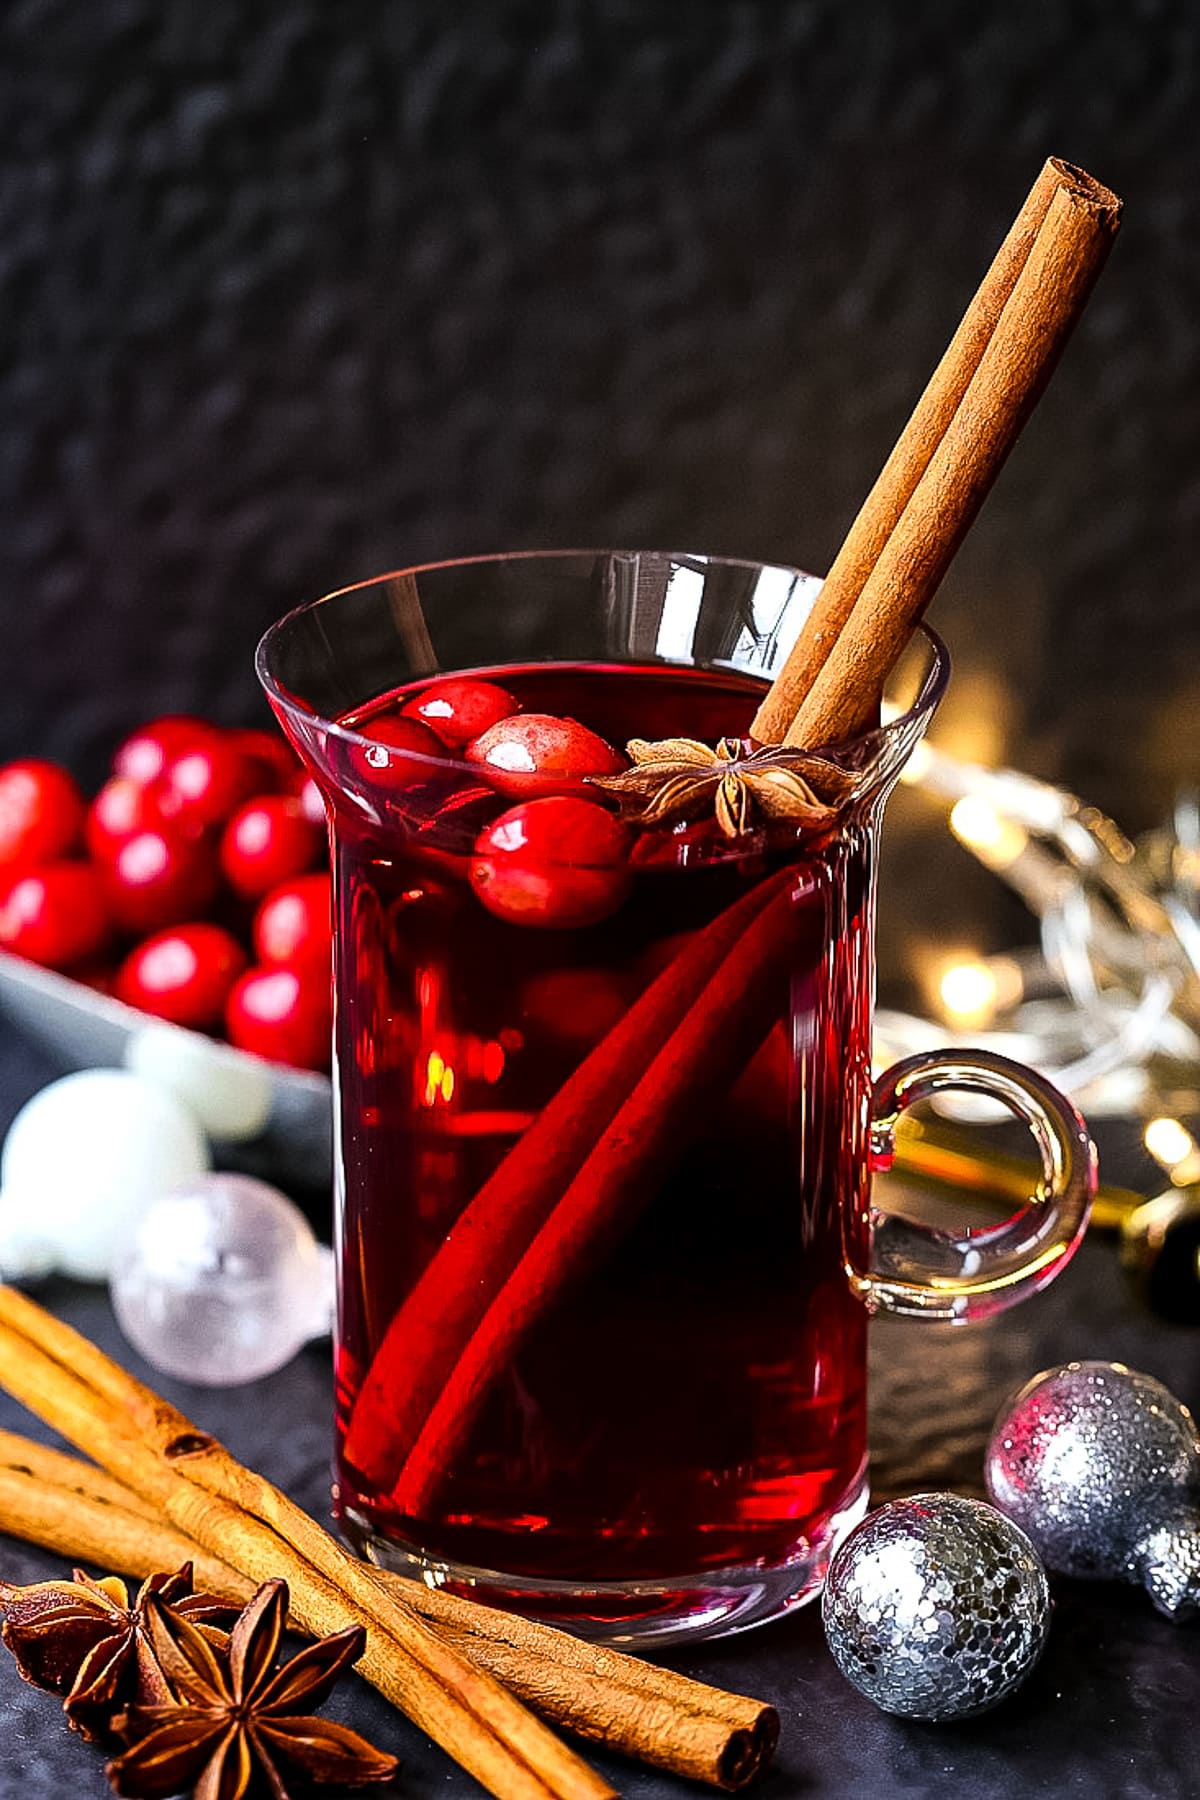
[(605, 1117)]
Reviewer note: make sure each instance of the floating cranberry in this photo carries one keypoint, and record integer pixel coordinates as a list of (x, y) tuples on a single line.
[(537, 752), (413, 743), (205, 783), (556, 863), (294, 923), (160, 877), (267, 841), (184, 974), (144, 755), (41, 813), (284, 1013), (460, 709), (56, 915), (121, 808)]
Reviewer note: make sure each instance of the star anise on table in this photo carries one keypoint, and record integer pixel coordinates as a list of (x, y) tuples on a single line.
[(231, 1717), (679, 778), (83, 1639)]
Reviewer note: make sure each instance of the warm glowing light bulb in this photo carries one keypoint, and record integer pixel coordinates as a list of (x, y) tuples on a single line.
[(969, 992), (996, 841), (920, 761), (1170, 1143)]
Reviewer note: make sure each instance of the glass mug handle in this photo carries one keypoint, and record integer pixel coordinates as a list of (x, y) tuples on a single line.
[(930, 1273)]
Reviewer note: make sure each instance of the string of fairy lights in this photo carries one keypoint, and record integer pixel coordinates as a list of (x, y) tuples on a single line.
[(1108, 1003)]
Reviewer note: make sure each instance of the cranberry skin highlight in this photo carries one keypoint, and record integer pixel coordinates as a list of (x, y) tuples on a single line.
[(183, 975), (120, 810), (414, 744), (459, 709), (203, 785), (159, 878), (284, 1013), (295, 922), (557, 863), (146, 752), (41, 813), (56, 915), (267, 841), (538, 753)]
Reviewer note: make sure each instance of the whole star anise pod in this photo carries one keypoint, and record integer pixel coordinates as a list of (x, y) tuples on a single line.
[(680, 778), (226, 1720), (83, 1639)]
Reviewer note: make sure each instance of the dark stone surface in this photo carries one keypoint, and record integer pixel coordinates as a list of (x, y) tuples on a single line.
[(296, 293), (1110, 1710)]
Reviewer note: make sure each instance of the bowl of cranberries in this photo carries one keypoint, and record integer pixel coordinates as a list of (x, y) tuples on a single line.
[(192, 890)]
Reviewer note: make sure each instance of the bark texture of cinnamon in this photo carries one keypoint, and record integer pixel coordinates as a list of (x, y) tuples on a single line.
[(143, 1442), (635, 1708), (1029, 301)]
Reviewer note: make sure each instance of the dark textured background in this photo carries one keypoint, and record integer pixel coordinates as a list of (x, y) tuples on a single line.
[(296, 292)]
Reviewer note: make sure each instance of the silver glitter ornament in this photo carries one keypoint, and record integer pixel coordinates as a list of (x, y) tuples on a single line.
[(1101, 1466), (936, 1607)]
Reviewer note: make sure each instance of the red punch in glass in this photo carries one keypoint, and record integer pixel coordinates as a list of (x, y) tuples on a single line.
[(605, 1109)]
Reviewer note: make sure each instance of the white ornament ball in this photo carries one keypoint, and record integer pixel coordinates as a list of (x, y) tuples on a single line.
[(227, 1091), (87, 1155), (223, 1282)]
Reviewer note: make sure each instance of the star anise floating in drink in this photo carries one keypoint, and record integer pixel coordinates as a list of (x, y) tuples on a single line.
[(83, 1639), (680, 778), (194, 1705), (232, 1717)]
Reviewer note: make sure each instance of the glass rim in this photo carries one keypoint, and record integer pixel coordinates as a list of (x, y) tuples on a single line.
[(897, 727)]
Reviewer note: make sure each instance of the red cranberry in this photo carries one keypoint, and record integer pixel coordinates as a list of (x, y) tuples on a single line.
[(205, 783), (55, 915), (557, 862), (267, 841), (414, 742), (295, 923), (183, 975), (160, 877), (284, 1013), (276, 763), (41, 813), (536, 752), (144, 755), (460, 709), (121, 808)]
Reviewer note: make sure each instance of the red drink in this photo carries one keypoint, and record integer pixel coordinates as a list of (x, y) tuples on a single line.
[(685, 1392)]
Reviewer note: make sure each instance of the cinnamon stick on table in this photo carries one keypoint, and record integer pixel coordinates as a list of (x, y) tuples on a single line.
[(648, 1713), (1065, 229), (238, 1516), (81, 1511)]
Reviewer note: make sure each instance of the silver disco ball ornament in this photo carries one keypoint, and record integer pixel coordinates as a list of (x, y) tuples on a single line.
[(936, 1607), (1101, 1467)]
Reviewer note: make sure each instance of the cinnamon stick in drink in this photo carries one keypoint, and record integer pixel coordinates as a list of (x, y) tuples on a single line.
[(430, 1331), (914, 450), (1029, 337)]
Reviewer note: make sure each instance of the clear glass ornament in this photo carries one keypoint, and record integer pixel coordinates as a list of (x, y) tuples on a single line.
[(222, 1282)]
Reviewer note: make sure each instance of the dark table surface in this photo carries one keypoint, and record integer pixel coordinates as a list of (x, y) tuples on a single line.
[(1111, 1710)]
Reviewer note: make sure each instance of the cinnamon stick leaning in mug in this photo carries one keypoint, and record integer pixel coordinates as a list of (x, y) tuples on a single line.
[(1029, 301), (898, 551)]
